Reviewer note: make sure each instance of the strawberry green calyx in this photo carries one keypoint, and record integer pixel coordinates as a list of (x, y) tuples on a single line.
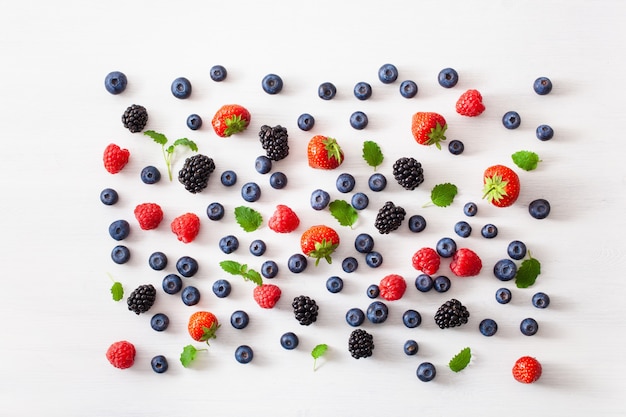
[(209, 333), (495, 188), (437, 134), (323, 250), (235, 124), (333, 149)]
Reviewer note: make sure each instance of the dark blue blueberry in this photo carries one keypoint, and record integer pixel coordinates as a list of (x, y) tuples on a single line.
[(263, 164), (272, 84), (358, 120), (289, 341), (327, 91), (120, 254), (257, 247), (417, 223), (222, 288), (539, 209), (187, 266), (159, 364), (150, 175), (181, 88), (215, 211), (442, 283), (360, 201), (345, 182), (542, 86), (364, 243), (228, 178), (373, 259), (411, 319), (157, 261), (503, 295), (109, 196), (529, 326), (408, 89), (373, 291), (172, 284), (194, 122), (456, 147), (489, 231), (190, 296), (470, 209), (505, 269), (488, 327), (159, 322), (544, 132), (362, 90), (269, 269), (410, 347), (218, 73), (511, 120), (463, 228), (516, 250), (377, 312), (239, 319), (377, 182), (541, 300), (426, 372), (349, 264), (115, 82), (297, 263), (119, 229), (278, 180), (355, 317), (424, 283), (334, 284), (448, 77), (306, 122), (244, 354), (388, 73), (229, 244), (251, 192), (446, 247), (319, 199)]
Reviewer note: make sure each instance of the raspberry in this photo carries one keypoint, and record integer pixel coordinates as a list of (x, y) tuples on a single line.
[(121, 354), (470, 104), (526, 370), (392, 287), (360, 344), (451, 314), (275, 142), (284, 220), (186, 227), (305, 309), (266, 295), (465, 263), (149, 215), (135, 118), (426, 260), (115, 158), (389, 218)]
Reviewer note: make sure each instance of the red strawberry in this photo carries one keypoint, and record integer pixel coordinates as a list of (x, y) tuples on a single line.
[(465, 263), (324, 153), (115, 158), (501, 185), (426, 260), (230, 119), (470, 104), (202, 326), (392, 287), (429, 128), (527, 370), (284, 220), (266, 295), (186, 227), (319, 242), (121, 354), (149, 215)]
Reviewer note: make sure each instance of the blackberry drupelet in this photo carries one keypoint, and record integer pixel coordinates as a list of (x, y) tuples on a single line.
[(360, 344), (135, 118), (408, 172), (195, 173), (451, 314), (141, 299), (305, 309), (389, 218), (275, 141)]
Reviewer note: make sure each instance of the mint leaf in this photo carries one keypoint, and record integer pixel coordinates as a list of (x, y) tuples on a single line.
[(372, 154), (186, 142), (159, 138), (527, 273), (249, 219), (117, 291), (442, 195), (461, 360), (168, 153), (526, 160), (317, 352), (232, 267), (343, 211), (189, 355), (235, 268)]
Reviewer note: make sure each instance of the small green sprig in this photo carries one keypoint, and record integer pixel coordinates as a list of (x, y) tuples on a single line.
[(460, 360), (528, 272), (168, 152), (317, 352), (235, 268), (117, 290), (189, 354)]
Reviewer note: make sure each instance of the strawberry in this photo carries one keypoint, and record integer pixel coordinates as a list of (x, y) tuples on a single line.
[(426, 260), (465, 263), (392, 287), (324, 153), (149, 215), (319, 242), (284, 220), (470, 104), (115, 158), (501, 185), (121, 354), (202, 326), (429, 128), (230, 119), (527, 370), (266, 295), (186, 227)]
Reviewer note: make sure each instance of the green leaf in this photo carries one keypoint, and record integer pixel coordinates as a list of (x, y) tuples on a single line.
[(372, 153), (189, 355), (442, 195), (159, 138), (186, 142), (461, 360), (249, 219), (526, 160), (117, 291), (235, 268), (527, 273), (232, 267), (343, 211), (317, 352)]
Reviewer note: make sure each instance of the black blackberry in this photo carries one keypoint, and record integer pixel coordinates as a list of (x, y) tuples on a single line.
[(195, 173), (408, 172), (135, 118), (360, 344), (389, 218), (275, 142), (141, 299), (305, 309), (451, 314)]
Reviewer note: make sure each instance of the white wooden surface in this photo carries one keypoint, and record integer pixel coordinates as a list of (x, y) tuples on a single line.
[(57, 315)]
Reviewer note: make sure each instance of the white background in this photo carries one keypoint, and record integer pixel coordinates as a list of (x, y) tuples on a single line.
[(57, 314)]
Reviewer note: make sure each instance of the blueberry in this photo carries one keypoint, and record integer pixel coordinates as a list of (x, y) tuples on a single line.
[(424, 283), (218, 73), (355, 317), (541, 300), (120, 254), (470, 209), (306, 122), (251, 192), (159, 364), (362, 90), (539, 209), (463, 228), (542, 86), (297, 263), (263, 164), (360, 201), (448, 77), (388, 73), (488, 327), (349, 264), (190, 296), (228, 178), (159, 322), (119, 229), (239, 319), (358, 120), (289, 341), (345, 182), (278, 180), (417, 223), (373, 259), (272, 84), (529, 326), (157, 261), (269, 269), (221, 288), (408, 89), (150, 175), (426, 372), (489, 231), (411, 319), (364, 243), (544, 132), (194, 122), (172, 284), (446, 247), (115, 82), (442, 283), (187, 266), (319, 199), (516, 250), (257, 247), (410, 347), (511, 120), (456, 147), (109, 196), (503, 295), (377, 182), (377, 312), (229, 244), (334, 284), (505, 269), (327, 91), (244, 354), (181, 88), (215, 211), (373, 291)]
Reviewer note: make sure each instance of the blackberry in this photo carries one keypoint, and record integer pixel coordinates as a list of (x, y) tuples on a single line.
[(195, 173), (275, 141), (451, 314), (305, 309), (135, 118), (389, 217), (360, 344), (408, 172), (141, 299)]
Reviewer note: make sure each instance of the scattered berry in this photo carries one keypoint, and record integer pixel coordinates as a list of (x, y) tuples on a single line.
[(251, 192), (215, 211), (373, 291), (392, 287), (516, 250), (230, 119), (319, 199), (377, 182), (297, 263), (389, 218), (345, 182), (141, 299), (157, 261), (503, 295), (355, 317), (541, 300), (120, 254), (426, 260), (284, 220), (244, 354), (349, 264), (289, 341), (446, 247), (539, 208), (448, 77), (456, 147), (135, 118), (527, 370), (488, 327), (529, 326), (195, 173), (272, 84), (258, 247), (218, 73), (269, 269), (505, 269), (186, 227), (119, 229), (239, 319), (429, 128), (408, 89), (324, 153), (222, 288), (172, 284), (159, 364), (228, 178), (275, 141), (109, 196), (121, 354), (364, 243), (442, 283), (115, 158), (362, 90), (319, 242), (470, 209), (417, 223), (190, 295), (373, 259), (202, 326), (159, 322), (411, 319), (263, 164), (377, 312), (424, 283), (278, 180), (150, 175), (115, 82), (359, 120), (360, 201), (544, 132), (334, 284), (327, 91), (511, 120), (229, 244), (266, 295), (408, 172), (305, 310), (194, 121), (542, 86), (187, 266), (426, 371), (148, 215), (462, 228), (306, 122), (360, 344), (451, 314), (410, 347), (465, 263), (501, 185), (181, 88), (489, 231), (388, 73), (470, 104)]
